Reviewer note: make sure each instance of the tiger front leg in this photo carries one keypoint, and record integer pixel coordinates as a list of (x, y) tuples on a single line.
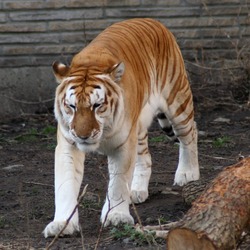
[(121, 166), (142, 172), (68, 177)]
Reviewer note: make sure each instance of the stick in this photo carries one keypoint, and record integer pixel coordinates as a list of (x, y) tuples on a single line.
[(210, 68), (167, 226), (27, 102), (37, 183), (140, 226), (105, 219), (68, 220), (82, 238), (159, 231)]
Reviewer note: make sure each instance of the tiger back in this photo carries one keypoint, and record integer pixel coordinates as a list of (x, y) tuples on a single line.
[(107, 98)]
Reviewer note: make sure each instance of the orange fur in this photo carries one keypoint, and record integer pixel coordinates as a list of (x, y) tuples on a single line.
[(151, 56)]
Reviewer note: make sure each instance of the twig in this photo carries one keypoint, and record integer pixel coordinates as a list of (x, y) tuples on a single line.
[(37, 183), (210, 68), (68, 220), (136, 214), (105, 219), (29, 134), (140, 226), (44, 116), (167, 226), (216, 157), (159, 231), (82, 238), (4, 130), (27, 102)]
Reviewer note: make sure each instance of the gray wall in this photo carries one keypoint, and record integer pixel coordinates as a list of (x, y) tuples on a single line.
[(35, 33)]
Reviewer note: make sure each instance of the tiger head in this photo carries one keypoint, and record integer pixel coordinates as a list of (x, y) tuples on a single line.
[(88, 102)]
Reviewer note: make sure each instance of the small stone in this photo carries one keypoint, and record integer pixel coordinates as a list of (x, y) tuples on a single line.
[(222, 120), (126, 240), (202, 133)]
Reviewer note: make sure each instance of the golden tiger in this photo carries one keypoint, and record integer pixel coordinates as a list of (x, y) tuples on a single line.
[(107, 98)]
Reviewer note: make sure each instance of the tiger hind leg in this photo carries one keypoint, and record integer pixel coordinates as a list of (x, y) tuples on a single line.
[(183, 131), (188, 166)]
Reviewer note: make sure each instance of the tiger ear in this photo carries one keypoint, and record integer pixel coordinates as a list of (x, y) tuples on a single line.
[(117, 71), (60, 71)]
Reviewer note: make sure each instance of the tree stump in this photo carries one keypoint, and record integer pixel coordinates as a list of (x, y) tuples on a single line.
[(219, 216)]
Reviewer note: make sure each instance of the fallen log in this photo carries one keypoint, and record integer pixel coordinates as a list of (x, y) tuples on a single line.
[(219, 216), (192, 190)]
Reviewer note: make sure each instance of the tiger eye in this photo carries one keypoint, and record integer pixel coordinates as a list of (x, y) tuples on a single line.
[(72, 106), (96, 105)]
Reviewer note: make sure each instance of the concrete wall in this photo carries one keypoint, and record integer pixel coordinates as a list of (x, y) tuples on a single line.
[(35, 33)]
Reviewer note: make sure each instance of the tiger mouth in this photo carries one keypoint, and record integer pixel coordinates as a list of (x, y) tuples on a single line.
[(87, 143), (81, 141), (87, 146)]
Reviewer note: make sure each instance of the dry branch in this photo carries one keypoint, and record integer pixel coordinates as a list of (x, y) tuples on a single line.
[(68, 220), (105, 219), (27, 102), (219, 216), (37, 183)]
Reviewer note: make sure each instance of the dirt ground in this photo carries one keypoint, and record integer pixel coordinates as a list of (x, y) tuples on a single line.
[(26, 176)]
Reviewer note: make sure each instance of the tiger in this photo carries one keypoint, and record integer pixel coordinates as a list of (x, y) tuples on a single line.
[(132, 73)]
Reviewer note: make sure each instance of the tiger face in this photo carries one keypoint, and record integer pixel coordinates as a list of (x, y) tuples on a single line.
[(86, 104)]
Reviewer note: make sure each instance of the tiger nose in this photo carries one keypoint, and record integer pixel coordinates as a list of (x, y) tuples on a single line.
[(84, 137)]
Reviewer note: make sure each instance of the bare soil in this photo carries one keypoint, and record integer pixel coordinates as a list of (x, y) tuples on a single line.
[(26, 171)]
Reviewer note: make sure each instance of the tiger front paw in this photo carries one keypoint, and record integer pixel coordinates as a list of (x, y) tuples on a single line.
[(55, 227), (139, 187), (116, 218), (139, 196), (183, 177)]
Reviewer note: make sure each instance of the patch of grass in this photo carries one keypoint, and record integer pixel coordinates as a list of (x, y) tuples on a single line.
[(34, 190), (34, 134), (221, 141), (2, 138), (160, 138), (128, 231), (51, 146), (2, 221), (49, 130), (162, 220), (87, 204), (30, 135), (91, 202)]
